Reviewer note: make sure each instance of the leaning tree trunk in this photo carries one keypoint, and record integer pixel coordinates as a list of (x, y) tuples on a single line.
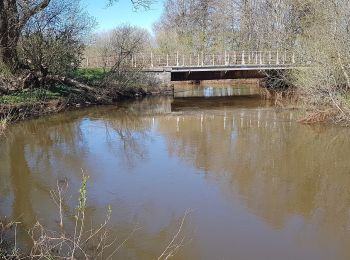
[(13, 17), (8, 52), (10, 29)]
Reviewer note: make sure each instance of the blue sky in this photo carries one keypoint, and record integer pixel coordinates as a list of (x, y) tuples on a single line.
[(122, 12)]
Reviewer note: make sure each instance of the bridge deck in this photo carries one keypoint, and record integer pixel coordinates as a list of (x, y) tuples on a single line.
[(221, 68)]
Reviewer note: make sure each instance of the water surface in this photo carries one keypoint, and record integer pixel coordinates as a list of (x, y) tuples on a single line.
[(258, 184)]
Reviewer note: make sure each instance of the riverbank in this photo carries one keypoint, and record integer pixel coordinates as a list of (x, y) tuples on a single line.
[(316, 107), (320, 102), (32, 103)]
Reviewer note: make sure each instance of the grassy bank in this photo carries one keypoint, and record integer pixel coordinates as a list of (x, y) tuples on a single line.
[(90, 76), (36, 95), (32, 103)]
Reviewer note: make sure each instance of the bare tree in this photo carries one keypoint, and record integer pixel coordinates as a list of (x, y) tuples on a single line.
[(137, 4), (325, 43), (54, 38), (216, 25), (115, 48)]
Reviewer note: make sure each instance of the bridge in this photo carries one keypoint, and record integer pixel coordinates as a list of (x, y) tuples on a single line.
[(203, 66)]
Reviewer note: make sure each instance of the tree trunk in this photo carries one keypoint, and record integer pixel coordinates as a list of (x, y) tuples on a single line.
[(8, 54), (12, 21), (9, 34)]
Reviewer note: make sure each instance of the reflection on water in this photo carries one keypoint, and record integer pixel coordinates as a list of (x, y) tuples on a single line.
[(182, 91), (261, 186)]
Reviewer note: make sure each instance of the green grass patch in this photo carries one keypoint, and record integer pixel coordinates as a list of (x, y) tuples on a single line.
[(90, 75), (31, 96)]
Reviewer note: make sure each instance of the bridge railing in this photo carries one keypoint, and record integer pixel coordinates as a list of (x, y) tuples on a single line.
[(228, 58)]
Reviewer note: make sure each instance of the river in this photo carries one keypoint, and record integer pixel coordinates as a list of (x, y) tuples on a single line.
[(249, 181)]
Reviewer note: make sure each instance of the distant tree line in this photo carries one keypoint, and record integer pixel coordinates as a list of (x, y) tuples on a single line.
[(218, 25)]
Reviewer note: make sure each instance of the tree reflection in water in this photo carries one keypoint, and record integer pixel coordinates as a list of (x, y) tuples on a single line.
[(280, 169)]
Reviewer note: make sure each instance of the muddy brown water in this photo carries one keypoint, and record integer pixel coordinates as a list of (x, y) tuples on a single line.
[(256, 183)]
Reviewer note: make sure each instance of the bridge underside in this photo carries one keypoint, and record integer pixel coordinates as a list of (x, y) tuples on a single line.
[(216, 75)]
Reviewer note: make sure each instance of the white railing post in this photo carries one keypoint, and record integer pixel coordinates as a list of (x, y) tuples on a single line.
[(198, 59), (202, 59), (243, 60), (132, 60), (167, 60), (87, 62), (260, 57), (234, 57), (285, 57), (256, 58), (293, 58), (151, 60), (225, 58), (249, 57), (183, 60), (213, 59), (228, 59), (177, 59)]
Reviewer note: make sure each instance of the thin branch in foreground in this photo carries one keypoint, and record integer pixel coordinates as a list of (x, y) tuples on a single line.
[(173, 246)]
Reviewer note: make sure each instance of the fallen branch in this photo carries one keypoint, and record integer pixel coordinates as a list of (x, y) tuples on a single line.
[(69, 82)]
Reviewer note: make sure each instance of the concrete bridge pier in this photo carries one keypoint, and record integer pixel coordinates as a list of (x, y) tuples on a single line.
[(162, 77)]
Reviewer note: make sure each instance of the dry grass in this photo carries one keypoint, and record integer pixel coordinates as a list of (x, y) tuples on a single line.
[(5, 119), (3, 125), (323, 100), (284, 99), (8, 232), (330, 115), (317, 117), (326, 104), (82, 242)]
